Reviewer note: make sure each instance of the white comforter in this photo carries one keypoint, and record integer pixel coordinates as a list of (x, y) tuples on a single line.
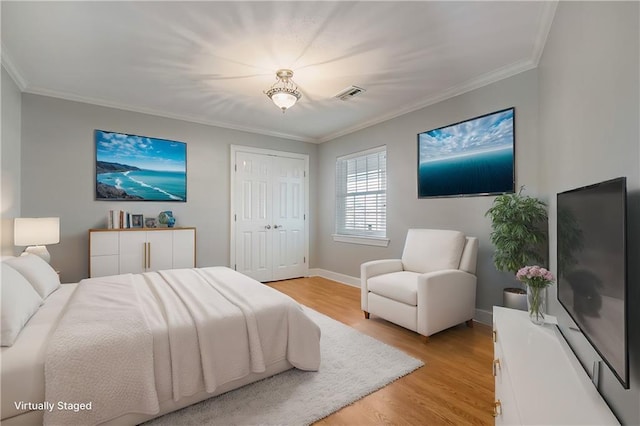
[(128, 342)]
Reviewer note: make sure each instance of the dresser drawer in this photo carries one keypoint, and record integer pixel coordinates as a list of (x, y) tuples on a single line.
[(505, 409)]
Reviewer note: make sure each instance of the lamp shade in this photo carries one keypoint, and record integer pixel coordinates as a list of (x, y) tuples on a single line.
[(283, 100), (36, 231)]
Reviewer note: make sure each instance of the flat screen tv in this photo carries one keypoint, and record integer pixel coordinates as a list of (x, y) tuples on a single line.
[(473, 157), (139, 168), (592, 268)]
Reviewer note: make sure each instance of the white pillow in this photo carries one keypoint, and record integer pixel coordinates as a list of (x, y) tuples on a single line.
[(38, 272), (19, 302)]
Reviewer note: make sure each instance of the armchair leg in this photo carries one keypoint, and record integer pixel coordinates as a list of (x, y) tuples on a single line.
[(366, 314), (469, 323)]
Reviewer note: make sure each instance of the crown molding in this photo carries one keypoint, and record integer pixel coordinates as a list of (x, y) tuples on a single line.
[(12, 69), (149, 111), (489, 78), (484, 80), (546, 20)]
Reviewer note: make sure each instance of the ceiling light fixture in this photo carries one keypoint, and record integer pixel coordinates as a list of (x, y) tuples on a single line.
[(284, 92)]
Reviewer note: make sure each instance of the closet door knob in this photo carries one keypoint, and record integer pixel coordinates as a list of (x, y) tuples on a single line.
[(267, 227)]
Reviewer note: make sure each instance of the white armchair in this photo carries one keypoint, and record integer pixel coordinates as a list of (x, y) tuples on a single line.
[(433, 286)]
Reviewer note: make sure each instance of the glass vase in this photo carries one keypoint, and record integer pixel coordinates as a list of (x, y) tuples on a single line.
[(536, 302)]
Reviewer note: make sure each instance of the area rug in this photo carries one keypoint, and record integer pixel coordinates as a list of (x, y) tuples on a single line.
[(353, 366)]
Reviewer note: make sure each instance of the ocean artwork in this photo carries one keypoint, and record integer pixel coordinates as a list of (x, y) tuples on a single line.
[(474, 157), (139, 168)]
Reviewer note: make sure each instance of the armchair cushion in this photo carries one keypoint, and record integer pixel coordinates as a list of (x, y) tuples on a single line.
[(401, 286), (428, 250)]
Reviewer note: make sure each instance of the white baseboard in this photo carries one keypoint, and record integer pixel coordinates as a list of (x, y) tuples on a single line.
[(481, 315), (484, 317), (335, 276)]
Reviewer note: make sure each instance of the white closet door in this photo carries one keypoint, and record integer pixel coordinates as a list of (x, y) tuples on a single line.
[(253, 221), (269, 216), (288, 218)]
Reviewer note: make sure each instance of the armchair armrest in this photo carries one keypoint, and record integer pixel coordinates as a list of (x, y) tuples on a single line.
[(445, 298), (379, 267), (371, 269)]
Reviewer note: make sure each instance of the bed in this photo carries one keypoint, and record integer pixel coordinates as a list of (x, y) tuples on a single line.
[(128, 348)]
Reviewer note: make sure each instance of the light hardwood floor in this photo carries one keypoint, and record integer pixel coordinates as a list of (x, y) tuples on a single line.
[(454, 387)]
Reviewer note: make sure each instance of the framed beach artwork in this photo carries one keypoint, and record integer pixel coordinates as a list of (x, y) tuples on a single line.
[(473, 157), (139, 168)]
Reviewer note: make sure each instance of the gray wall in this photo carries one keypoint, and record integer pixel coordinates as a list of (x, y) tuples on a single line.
[(58, 157), (589, 112), (10, 161), (404, 209)]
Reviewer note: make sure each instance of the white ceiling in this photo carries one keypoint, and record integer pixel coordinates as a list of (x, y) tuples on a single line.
[(209, 62)]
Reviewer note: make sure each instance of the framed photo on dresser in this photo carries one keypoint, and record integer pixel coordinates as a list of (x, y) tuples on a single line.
[(137, 221)]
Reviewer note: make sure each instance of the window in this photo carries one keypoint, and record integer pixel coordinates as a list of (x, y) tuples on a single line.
[(361, 197)]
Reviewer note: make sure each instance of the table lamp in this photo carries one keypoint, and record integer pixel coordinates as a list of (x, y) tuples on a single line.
[(36, 232)]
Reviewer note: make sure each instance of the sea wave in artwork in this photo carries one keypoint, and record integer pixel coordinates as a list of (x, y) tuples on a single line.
[(148, 184)]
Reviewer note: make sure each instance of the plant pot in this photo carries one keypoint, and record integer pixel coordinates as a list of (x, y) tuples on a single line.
[(514, 298)]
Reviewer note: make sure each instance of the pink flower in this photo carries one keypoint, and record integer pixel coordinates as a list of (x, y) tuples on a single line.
[(535, 276)]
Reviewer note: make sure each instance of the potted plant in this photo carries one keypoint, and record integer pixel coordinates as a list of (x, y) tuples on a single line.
[(519, 236)]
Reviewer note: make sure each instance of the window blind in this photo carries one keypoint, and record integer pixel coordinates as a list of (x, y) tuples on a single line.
[(361, 193)]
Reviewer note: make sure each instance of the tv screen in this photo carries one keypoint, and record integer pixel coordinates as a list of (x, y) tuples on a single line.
[(592, 278), (473, 157), (139, 168)]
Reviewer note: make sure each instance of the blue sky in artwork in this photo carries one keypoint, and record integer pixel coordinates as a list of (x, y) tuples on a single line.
[(140, 151), (489, 133)]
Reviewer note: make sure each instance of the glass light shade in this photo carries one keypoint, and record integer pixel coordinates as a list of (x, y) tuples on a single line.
[(32, 231), (284, 92), (283, 100)]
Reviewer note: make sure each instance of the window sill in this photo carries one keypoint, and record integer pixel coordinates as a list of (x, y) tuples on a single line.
[(358, 239)]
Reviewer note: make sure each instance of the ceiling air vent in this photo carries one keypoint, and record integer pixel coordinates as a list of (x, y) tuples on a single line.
[(349, 93)]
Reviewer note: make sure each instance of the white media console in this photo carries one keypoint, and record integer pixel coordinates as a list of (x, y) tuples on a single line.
[(538, 380)]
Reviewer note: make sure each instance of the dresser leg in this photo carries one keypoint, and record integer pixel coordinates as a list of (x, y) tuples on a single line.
[(469, 323), (366, 314)]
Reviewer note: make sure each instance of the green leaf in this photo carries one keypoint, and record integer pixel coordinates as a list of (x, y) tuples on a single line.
[(517, 234)]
